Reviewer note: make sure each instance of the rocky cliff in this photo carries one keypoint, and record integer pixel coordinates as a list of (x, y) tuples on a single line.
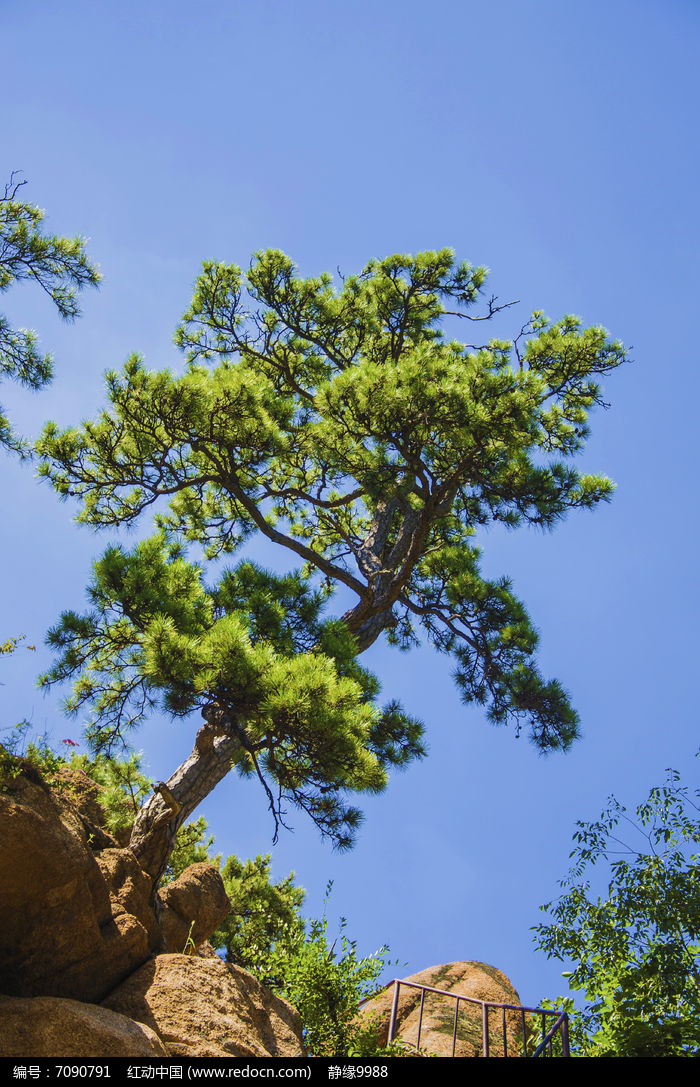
[(90, 966)]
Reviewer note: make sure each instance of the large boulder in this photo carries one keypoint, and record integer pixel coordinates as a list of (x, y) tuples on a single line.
[(437, 1020), (72, 924), (202, 1007), (48, 1026), (193, 907)]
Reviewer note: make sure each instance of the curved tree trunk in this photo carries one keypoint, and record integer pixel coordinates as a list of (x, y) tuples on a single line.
[(173, 801)]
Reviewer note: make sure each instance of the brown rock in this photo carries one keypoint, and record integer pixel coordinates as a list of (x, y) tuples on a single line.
[(48, 1026), (60, 932), (206, 1008), (76, 921), (130, 892), (206, 951), (73, 788), (468, 979), (82, 792), (198, 896)]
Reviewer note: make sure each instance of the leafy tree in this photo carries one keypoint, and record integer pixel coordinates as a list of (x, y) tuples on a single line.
[(637, 949), (59, 266), (343, 425), (326, 984)]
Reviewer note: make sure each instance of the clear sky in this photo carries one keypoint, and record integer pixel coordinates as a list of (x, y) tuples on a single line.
[(556, 143)]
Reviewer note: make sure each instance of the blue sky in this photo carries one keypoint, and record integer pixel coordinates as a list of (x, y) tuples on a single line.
[(554, 142)]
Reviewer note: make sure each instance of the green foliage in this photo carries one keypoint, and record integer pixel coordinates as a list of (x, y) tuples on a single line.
[(264, 917), (636, 950), (59, 266), (326, 984), (123, 787), (311, 730), (266, 935), (191, 847), (343, 425), (23, 747)]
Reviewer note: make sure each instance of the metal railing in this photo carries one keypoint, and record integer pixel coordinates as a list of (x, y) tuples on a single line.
[(545, 1047)]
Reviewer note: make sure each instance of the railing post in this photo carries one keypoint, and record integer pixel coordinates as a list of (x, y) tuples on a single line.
[(454, 1032), (394, 1009), (484, 1030), (565, 1036), (420, 1019)]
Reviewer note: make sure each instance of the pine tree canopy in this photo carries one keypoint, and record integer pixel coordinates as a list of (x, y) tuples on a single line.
[(59, 266), (343, 424)]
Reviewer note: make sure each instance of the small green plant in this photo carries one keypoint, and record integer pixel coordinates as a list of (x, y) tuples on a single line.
[(189, 948), (10, 769), (19, 748)]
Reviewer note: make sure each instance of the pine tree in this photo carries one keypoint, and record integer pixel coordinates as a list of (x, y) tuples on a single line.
[(59, 266), (342, 424)]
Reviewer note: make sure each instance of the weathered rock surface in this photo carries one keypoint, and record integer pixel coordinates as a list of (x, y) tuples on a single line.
[(130, 900), (468, 979), (202, 1007), (198, 896), (65, 929), (48, 1026), (77, 925)]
